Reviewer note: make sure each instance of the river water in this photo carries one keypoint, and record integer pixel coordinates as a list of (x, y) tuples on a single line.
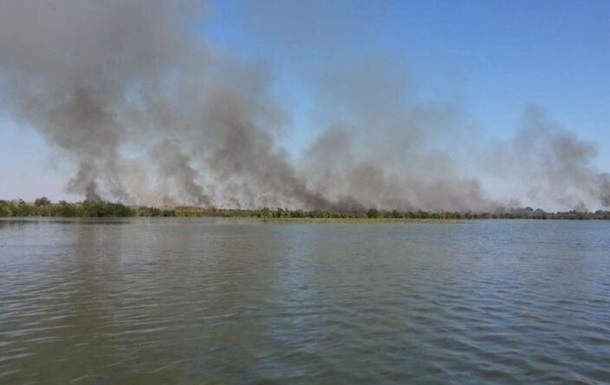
[(194, 301)]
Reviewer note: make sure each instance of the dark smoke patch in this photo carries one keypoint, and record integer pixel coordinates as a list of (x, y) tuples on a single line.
[(72, 70)]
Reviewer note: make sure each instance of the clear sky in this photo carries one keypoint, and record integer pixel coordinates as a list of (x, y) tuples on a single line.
[(492, 58)]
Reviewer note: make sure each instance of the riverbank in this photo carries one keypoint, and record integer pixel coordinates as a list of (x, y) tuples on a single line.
[(361, 220), (42, 207)]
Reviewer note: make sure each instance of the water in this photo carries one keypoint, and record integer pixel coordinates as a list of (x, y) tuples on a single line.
[(191, 301)]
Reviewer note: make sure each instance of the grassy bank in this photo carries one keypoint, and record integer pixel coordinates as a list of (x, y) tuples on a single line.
[(357, 220), (43, 207)]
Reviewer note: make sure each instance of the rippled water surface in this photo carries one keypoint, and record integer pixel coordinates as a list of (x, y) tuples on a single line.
[(235, 302)]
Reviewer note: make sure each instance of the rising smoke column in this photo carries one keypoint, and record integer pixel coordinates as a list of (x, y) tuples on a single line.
[(73, 69), (387, 150), (117, 87), (547, 165)]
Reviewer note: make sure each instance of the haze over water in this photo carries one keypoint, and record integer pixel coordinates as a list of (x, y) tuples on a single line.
[(184, 301)]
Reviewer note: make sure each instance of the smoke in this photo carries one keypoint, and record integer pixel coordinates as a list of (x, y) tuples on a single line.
[(547, 164), (76, 70), (148, 112), (386, 151)]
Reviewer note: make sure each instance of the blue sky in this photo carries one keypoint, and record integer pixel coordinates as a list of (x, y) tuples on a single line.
[(495, 56), (492, 58)]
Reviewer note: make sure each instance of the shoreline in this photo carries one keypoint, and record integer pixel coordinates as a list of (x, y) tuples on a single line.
[(103, 209)]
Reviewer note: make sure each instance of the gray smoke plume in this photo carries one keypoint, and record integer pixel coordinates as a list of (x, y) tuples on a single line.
[(549, 165), (385, 150), (148, 112), (76, 70)]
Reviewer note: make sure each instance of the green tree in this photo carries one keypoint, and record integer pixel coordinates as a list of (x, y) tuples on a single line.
[(372, 213), (43, 201)]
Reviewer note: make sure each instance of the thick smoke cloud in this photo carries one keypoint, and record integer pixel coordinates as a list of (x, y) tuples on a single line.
[(386, 151), (147, 112), (75, 71), (102, 81), (548, 164)]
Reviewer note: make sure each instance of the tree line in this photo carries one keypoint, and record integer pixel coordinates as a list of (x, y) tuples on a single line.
[(43, 207)]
